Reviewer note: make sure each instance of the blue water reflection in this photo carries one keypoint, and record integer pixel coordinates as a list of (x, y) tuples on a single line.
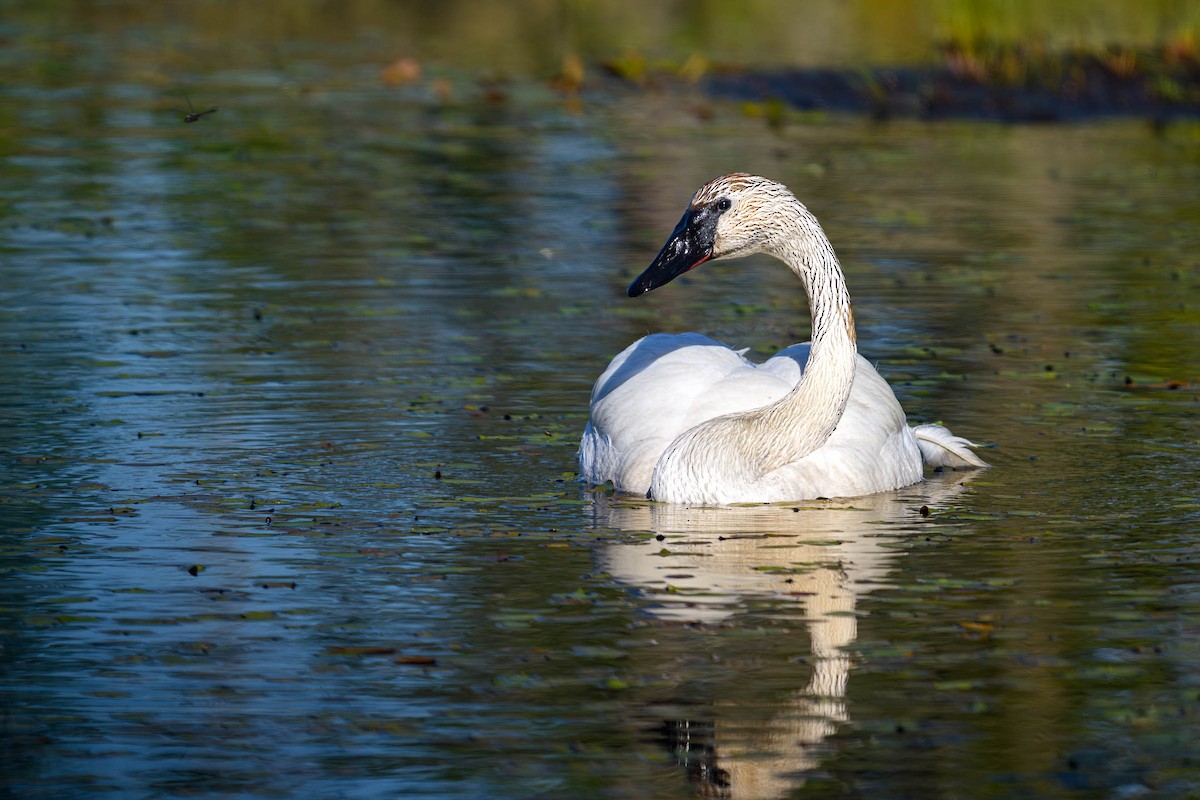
[(291, 402)]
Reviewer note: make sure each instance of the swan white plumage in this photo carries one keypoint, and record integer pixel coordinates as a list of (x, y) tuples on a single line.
[(685, 419)]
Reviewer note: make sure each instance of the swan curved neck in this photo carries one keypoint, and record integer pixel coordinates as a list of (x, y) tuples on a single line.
[(804, 419)]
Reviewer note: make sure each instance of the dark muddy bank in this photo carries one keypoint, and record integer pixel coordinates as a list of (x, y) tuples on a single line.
[(1006, 84)]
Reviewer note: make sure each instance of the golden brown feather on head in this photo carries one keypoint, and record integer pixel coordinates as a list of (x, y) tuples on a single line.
[(752, 222)]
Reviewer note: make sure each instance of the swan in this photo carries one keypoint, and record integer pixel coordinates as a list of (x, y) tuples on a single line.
[(685, 419)]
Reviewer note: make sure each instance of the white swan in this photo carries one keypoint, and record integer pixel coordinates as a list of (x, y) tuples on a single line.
[(685, 419)]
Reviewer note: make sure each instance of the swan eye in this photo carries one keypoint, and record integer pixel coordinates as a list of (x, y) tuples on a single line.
[(723, 204)]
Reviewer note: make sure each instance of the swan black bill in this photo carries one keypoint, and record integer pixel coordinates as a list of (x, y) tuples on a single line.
[(689, 246)]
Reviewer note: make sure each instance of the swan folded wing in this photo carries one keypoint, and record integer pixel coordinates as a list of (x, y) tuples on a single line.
[(658, 388), (647, 353)]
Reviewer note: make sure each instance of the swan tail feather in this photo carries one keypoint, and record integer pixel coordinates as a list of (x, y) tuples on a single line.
[(941, 448)]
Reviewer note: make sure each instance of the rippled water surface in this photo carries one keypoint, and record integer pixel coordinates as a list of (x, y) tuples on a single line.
[(291, 401)]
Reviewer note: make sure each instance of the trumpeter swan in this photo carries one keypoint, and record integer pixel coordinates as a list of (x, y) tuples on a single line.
[(685, 419)]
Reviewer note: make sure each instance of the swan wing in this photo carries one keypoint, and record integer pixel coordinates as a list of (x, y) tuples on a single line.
[(661, 386)]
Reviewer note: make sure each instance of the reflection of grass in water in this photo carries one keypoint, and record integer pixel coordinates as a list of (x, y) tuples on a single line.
[(530, 37)]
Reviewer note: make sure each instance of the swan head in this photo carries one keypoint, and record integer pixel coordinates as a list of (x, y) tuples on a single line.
[(731, 216)]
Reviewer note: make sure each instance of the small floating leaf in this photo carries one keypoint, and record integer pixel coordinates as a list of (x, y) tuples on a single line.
[(428, 661), (366, 650)]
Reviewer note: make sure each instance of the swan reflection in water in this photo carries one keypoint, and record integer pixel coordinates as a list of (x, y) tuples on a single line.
[(705, 564)]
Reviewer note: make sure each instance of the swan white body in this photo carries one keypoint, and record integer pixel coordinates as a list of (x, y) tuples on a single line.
[(685, 419)]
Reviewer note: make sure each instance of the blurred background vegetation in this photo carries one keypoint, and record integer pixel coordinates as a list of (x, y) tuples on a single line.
[(533, 38)]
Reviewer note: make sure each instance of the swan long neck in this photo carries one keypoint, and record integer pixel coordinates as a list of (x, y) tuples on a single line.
[(803, 420)]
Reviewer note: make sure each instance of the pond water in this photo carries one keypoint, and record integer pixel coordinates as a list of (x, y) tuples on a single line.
[(291, 402)]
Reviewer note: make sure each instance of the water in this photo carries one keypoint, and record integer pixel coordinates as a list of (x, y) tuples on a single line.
[(291, 402)]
